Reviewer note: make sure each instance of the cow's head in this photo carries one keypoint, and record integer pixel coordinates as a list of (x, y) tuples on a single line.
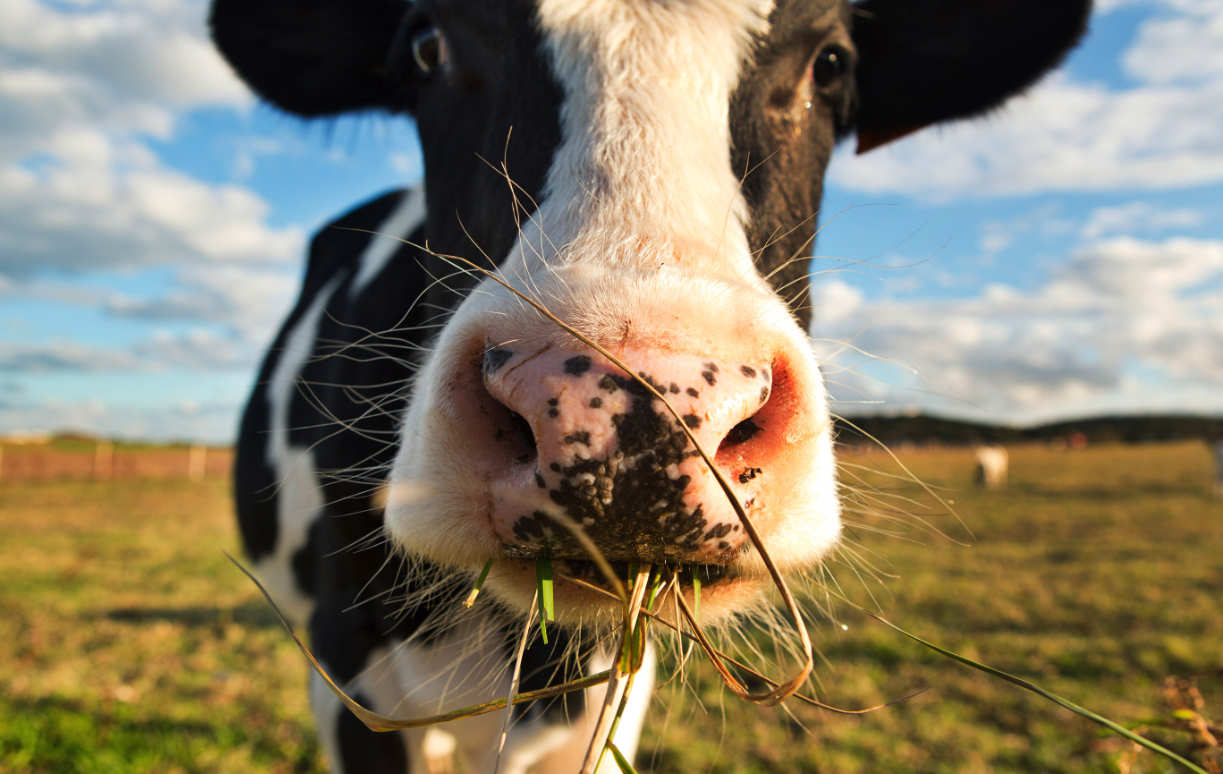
[(649, 170)]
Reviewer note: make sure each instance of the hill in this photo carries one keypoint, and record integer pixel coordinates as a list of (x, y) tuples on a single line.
[(924, 428)]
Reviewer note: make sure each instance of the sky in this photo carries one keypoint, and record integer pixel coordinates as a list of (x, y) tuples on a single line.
[(1061, 257)]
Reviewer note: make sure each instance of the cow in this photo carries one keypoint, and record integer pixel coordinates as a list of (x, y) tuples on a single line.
[(649, 171), (991, 468)]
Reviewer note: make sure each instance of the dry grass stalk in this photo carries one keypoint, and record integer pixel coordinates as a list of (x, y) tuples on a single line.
[(628, 662), (375, 722)]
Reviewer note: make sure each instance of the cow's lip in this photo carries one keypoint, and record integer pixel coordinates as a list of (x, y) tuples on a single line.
[(587, 570)]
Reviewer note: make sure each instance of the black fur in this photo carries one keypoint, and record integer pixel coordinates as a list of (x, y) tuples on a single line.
[(365, 752), (925, 61)]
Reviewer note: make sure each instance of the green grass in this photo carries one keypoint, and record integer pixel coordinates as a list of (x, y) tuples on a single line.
[(131, 644)]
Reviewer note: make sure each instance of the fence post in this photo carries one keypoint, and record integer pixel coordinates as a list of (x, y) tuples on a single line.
[(197, 461), (103, 461), (1218, 455)]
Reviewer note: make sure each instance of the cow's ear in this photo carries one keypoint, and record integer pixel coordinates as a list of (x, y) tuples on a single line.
[(925, 61), (311, 57)]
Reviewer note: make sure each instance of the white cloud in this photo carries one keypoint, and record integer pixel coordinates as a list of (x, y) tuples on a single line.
[(1046, 220), (79, 187), (82, 91), (1135, 217), (198, 349), (210, 422), (250, 301), (102, 203), (1186, 48), (1064, 136), (1070, 136), (60, 355), (1118, 307)]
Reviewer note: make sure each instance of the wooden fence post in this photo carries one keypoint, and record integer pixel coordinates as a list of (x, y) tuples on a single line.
[(197, 461), (103, 461), (1218, 455)]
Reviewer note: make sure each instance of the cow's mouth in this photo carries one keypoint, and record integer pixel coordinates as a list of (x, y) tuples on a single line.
[(686, 575)]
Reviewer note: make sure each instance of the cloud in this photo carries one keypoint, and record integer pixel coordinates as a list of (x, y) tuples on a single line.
[(198, 349), (1121, 316), (81, 90), (102, 203), (250, 301), (1187, 48), (210, 422), (1046, 220), (1064, 135), (1136, 217), (60, 355)]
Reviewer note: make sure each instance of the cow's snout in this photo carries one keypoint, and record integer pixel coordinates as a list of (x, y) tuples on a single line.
[(525, 443), (587, 445)]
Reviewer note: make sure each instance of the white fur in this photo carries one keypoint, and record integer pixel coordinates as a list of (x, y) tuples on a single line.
[(466, 667), (405, 219), (298, 498), (642, 175)]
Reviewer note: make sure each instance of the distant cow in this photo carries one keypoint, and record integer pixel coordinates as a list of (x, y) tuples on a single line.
[(658, 193), (992, 462)]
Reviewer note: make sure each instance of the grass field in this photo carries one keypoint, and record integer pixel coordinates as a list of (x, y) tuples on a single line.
[(131, 645)]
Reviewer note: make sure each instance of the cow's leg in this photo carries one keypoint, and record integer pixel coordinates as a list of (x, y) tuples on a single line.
[(569, 758)]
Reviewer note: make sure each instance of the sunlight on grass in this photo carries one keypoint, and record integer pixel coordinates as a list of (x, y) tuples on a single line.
[(133, 646)]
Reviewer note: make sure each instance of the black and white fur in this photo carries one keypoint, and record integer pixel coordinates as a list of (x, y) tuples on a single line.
[(746, 93)]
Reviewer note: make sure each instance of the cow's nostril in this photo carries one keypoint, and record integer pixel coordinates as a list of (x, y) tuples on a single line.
[(520, 431), (740, 434)]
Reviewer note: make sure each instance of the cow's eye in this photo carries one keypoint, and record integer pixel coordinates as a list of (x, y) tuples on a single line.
[(829, 65), (428, 49)]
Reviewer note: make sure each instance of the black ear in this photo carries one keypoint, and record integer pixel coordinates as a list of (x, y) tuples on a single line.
[(925, 61), (311, 57)]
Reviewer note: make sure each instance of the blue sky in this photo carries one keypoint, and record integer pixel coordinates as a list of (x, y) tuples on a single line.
[(1061, 257)]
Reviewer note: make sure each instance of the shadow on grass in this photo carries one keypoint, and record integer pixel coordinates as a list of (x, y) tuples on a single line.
[(252, 614)]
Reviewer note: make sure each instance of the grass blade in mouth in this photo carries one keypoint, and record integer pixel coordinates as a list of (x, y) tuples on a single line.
[(381, 723), (654, 590), (543, 577), (621, 761), (471, 598), (696, 590)]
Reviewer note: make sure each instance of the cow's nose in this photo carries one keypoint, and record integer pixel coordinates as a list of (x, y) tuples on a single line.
[(598, 449)]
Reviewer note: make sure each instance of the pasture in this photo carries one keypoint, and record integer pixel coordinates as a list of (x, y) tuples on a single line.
[(131, 645)]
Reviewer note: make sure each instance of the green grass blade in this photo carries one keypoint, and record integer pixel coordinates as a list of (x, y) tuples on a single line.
[(657, 578), (1076, 709), (696, 591), (471, 598), (543, 577), (621, 761)]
